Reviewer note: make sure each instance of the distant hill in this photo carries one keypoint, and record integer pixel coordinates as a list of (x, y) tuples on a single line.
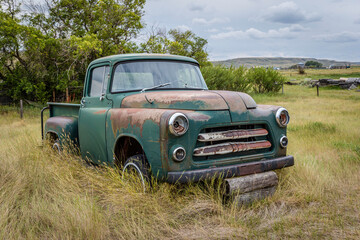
[(277, 62)]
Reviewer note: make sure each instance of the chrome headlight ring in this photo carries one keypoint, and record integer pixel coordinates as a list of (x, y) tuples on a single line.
[(179, 154), (284, 141), (178, 124), (282, 117)]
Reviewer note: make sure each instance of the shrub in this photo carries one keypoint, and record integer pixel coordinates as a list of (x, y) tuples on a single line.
[(265, 80), (301, 70), (222, 78)]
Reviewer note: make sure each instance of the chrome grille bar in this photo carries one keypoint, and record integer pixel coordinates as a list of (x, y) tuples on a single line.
[(232, 134), (230, 147)]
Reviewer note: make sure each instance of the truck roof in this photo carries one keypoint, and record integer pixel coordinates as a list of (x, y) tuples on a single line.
[(142, 56)]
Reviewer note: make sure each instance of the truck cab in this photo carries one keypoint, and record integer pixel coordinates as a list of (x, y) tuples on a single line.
[(156, 110)]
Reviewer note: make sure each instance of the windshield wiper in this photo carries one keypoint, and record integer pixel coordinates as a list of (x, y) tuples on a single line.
[(154, 87)]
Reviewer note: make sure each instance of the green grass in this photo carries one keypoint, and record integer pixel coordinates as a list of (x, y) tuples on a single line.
[(46, 196)]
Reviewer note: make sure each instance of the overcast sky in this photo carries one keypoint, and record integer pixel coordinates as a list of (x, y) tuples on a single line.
[(265, 28)]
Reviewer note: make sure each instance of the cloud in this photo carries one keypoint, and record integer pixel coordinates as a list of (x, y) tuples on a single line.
[(213, 30), (183, 28), (203, 21), (339, 37), (297, 28), (357, 21), (285, 33), (196, 7), (229, 29), (289, 12)]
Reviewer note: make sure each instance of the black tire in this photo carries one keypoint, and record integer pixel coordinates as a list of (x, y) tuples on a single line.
[(138, 165), (56, 146)]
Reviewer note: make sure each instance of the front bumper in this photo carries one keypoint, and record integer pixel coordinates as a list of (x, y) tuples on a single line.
[(230, 171)]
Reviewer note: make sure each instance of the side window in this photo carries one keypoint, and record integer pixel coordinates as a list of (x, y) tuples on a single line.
[(106, 79), (98, 81)]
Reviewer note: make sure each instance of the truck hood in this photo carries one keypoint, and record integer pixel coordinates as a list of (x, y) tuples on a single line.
[(236, 102)]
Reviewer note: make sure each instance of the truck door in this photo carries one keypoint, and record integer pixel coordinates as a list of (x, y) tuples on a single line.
[(93, 112)]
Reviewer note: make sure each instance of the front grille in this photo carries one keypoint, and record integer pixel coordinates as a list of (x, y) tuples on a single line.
[(229, 141)]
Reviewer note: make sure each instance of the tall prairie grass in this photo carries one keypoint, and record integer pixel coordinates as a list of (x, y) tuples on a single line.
[(47, 196)]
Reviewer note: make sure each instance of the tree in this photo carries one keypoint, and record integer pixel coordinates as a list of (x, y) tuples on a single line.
[(313, 64), (49, 49), (177, 42)]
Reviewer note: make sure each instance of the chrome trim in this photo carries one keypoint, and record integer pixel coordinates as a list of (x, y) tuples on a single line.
[(230, 147), (174, 154), (278, 113), (287, 142), (172, 120), (232, 134)]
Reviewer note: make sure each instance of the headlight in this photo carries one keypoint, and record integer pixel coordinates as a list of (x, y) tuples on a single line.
[(282, 117), (284, 141), (178, 124), (179, 154)]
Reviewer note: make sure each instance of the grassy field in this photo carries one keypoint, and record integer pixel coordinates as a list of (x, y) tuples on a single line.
[(322, 73), (43, 195)]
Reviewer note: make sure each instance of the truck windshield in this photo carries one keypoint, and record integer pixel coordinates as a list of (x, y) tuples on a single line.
[(138, 75)]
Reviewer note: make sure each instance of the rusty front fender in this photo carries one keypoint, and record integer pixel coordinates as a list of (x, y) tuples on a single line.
[(142, 125)]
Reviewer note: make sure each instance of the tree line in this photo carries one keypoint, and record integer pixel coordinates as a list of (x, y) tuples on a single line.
[(45, 48)]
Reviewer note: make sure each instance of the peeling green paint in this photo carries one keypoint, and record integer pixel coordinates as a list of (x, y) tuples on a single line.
[(144, 116)]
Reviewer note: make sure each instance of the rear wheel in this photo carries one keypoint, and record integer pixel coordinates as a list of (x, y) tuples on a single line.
[(56, 146), (136, 170)]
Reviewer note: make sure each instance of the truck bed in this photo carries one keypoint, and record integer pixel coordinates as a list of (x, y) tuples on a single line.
[(62, 123), (64, 109)]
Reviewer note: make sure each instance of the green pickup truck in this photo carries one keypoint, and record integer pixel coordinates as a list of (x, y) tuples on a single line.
[(153, 113)]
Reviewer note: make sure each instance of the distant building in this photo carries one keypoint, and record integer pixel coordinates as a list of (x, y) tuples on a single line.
[(339, 66), (301, 65)]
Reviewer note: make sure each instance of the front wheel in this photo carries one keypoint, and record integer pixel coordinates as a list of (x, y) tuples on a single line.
[(137, 170)]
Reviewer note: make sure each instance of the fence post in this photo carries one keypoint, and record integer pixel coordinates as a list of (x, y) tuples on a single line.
[(21, 109), (317, 89), (67, 95)]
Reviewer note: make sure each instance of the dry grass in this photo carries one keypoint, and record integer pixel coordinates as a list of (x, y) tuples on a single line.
[(43, 195), (322, 73)]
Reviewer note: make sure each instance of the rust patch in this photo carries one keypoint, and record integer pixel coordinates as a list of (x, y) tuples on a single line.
[(61, 122), (121, 118), (268, 107), (100, 112), (196, 116), (230, 147), (234, 100), (192, 100), (232, 134), (264, 110), (248, 100)]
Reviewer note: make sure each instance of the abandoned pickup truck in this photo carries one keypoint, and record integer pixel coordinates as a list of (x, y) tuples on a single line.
[(154, 113)]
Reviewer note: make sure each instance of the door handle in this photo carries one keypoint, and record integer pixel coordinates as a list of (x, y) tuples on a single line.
[(102, 97)]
